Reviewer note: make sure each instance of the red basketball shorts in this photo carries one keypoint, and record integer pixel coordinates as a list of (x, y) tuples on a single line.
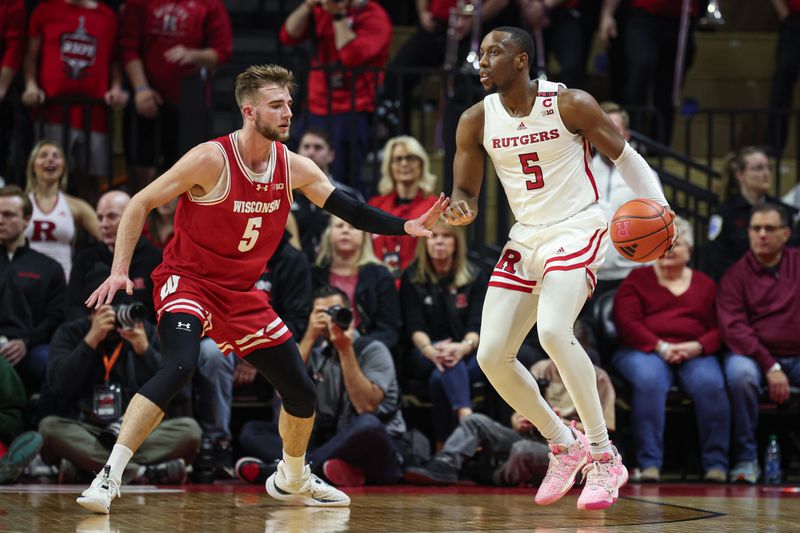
[(239, 322)]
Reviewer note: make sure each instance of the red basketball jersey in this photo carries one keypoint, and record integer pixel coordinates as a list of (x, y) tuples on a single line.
[(227, 236)]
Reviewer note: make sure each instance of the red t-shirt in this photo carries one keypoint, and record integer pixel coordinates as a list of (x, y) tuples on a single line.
[(149, 28), (666, 8), (75, 56), (397, 251), (645, 311), (12, 33), (370, 48)]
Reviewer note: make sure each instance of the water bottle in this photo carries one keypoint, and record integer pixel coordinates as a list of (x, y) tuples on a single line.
[(772, 462)]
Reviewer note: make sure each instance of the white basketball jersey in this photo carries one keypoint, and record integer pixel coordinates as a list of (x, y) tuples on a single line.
[(545, 170), (52, 233)]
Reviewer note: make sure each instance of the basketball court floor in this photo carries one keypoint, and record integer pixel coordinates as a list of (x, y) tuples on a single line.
[(240, 508)]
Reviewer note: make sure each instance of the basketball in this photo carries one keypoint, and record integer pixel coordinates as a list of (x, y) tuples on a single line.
[(642, 230)]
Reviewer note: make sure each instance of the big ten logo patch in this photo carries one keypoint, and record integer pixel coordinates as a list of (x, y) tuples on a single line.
[(508, 261)]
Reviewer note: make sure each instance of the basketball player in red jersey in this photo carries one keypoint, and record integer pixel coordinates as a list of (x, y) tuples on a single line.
[(235, 195), (538, 135)]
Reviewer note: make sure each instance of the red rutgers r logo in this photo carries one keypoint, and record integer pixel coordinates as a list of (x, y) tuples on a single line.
[(623, 228), (509, 259), (43, 231)]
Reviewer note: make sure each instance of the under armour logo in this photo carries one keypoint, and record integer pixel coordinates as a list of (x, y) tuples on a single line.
[(184, 326), (260, 187)]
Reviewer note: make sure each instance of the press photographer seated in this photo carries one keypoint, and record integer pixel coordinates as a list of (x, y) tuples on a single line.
[(96, 365), (358, 430)]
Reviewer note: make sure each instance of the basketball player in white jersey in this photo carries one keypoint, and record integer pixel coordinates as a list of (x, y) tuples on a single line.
[(538, 135)]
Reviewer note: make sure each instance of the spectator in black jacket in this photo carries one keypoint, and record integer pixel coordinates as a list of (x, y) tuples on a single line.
[(346, 261), (287, 282), (93, 265), (311, 220), (31, 292), (95, 368), (727, 228), (442, 297)]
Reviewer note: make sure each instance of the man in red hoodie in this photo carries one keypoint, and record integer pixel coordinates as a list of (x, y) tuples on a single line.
[(347, 35)]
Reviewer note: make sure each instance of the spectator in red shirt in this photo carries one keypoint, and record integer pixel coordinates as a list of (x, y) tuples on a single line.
[(71, 54), (405, 189), (347, 35), (758, 306), (666, 323), (12, 47), (161, 43)]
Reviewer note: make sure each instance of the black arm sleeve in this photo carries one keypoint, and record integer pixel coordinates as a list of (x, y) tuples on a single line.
[(362, 216)]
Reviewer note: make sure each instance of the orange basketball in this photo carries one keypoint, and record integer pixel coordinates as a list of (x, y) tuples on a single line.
[(642, 230)]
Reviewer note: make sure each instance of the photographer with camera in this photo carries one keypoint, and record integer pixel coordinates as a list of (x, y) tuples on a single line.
[(93, 264), (96, 365), (358, 404)]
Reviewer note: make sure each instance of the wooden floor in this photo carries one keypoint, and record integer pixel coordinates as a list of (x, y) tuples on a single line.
[(239, 508)]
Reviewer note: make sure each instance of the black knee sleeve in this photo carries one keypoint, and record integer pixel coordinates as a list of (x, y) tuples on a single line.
[(180, 349), (283, 367)]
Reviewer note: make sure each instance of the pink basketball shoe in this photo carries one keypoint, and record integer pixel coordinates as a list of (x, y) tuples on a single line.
[(603, 478), (565, 463)]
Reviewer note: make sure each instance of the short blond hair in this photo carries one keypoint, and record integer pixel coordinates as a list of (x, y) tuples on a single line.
[(256, 77), (613, 107), (427, 181)]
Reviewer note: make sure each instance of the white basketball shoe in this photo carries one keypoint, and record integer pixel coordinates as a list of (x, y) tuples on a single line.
[(98, 496), (308, 490)]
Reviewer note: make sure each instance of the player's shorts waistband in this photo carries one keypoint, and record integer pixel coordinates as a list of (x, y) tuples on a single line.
[(560, 220)]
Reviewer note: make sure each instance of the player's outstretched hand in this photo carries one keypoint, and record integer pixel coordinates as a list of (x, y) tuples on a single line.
[(460, 214), (421, 226), (106, 291)]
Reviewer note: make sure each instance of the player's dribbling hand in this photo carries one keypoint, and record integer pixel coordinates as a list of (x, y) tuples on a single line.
[(106, 291), (675, 233), (421, 226), (459, 214)]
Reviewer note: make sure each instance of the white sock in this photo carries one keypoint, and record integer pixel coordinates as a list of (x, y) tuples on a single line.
[(120, 456), (598, 440), (558, 433), (293, 466)]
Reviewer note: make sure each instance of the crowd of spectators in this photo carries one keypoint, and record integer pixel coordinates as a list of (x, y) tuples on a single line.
[(373, 315)]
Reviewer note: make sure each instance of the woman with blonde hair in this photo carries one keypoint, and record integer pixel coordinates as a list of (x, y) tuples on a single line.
[(405, 190), (441, 296), (346, 261), (56, 214)]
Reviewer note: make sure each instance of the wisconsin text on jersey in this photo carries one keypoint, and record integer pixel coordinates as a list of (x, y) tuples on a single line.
[(256, 207), (528, 138)]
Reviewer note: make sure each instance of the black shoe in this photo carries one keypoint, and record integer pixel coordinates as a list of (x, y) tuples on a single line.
[(434, 472), (167, 473), (20, 452), (223, 460)]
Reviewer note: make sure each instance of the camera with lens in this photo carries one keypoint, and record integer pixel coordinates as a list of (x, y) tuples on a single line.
[(340, 315), (128, 315)]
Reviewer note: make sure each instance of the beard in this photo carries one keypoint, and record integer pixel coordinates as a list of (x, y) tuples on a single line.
[(268, 132)]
